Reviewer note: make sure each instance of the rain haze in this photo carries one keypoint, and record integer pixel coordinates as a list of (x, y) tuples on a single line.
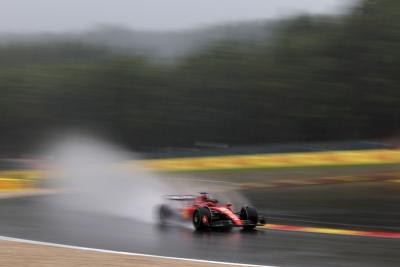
[(200, 133), (156, 15)]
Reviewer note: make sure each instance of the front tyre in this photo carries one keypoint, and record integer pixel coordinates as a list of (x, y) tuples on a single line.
[(201, 219), (251, 215)]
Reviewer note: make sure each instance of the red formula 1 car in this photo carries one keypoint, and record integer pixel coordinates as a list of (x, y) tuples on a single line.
[(206, 212)]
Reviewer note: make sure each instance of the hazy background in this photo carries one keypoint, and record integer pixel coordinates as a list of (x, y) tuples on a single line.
[(63, 15), (327, 72)]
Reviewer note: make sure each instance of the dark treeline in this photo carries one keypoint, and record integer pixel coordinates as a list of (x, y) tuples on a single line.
[(315, 79)]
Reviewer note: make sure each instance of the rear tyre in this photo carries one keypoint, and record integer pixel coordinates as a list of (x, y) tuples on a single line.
[(165, 213), (249, 214), (201, 219)]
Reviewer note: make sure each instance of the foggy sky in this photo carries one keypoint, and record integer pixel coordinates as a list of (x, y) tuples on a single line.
[(67, 15)]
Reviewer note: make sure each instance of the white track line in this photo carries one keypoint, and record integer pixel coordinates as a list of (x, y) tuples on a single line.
[(6, 238)]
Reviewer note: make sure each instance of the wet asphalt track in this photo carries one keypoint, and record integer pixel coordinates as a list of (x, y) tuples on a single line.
[(31, 218)]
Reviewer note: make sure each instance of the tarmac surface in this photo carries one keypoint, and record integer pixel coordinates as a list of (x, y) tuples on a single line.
[(32, 218)]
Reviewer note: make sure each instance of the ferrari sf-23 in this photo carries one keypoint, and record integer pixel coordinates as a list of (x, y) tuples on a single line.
[(206, 213)]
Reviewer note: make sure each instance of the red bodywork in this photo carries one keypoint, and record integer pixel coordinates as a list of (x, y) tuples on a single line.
[(188, 209)]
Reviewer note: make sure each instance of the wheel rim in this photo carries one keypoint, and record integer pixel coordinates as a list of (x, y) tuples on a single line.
[(204, 219), (196, 218)]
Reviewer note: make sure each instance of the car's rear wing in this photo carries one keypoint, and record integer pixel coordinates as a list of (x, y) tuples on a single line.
[(180, 197)]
